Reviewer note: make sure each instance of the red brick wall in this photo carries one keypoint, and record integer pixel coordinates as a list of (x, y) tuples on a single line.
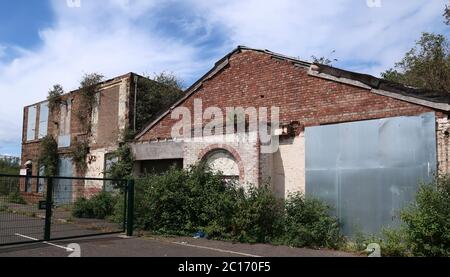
[(253, 79), (108, 117), (108, 130)]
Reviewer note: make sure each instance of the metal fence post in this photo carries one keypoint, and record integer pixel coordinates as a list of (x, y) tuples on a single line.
[(130, 209), (48, 209)]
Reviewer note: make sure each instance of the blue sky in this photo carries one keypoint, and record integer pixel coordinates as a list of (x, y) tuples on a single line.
[(48, 42)]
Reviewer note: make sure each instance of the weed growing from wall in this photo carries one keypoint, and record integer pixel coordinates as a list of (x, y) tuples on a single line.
[(79, 154), (88, 100), (54, 97), (48, 155)]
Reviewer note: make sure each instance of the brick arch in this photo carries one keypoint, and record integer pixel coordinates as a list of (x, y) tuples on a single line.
[(214, 147)]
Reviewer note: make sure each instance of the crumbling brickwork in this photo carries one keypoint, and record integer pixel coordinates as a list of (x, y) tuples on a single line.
[(108, 119), (443, 144), (254, 79)]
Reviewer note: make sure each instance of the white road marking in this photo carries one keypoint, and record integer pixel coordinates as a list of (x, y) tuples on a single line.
[(216, 249), (45, 242)]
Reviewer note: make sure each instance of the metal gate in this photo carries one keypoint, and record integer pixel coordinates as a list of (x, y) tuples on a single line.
[(33, 208), (370, 170)]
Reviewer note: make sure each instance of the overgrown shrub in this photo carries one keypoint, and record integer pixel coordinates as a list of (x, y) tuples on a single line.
[(48, 155), (16, 198), (79, 154), (88, 90), (258, 215), (99, 206), (393, 243), (123, 168), (425, 228), (427, 222), (308, 223), (182, 202)]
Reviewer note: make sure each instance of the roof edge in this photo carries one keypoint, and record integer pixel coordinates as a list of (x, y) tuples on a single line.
[(365, 81)]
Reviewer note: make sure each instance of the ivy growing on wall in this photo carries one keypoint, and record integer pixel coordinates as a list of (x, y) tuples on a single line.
[(79, 154), (48, 155), (123, 168), (88, 89)]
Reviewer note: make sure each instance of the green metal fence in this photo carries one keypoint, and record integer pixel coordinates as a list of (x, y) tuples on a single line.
[(37, 208)]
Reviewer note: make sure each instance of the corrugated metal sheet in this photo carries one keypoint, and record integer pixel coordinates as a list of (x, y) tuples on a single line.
[(369, 170)]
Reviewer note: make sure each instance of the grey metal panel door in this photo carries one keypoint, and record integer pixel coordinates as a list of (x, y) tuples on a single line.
[(369, 170), (63, 188)]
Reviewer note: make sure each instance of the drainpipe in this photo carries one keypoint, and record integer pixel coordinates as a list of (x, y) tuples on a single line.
[(135, 101)]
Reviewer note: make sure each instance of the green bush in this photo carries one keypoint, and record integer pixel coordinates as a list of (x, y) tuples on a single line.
[(394, 244), (425, 229), (182, 202), (427, 222), (16, 198), (258, 215), (308, 223), (99, 206)]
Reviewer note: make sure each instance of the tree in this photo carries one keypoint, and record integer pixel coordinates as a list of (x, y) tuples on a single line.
[(54, 96), (9, 167), (154, 96), (426, 65), (447, 15), (169, 79)]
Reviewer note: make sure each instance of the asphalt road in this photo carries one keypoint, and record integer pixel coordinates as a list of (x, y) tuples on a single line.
[(18, 228), (15, 227), (119, 246)]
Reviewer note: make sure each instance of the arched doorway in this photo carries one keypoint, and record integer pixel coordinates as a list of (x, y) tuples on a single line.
[(221, 160)]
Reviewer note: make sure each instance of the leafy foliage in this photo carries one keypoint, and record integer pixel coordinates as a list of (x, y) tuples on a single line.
[(88, 89), (79, 154), (427, 223), (16, 198), (308, 223), (54, 96), (182, 202), (99, 206), (155, 95), (123, 168), (258, 215), (169, 79), (48, 155), (324, 60), (427, 65), (425, 230), (394, 244), (447, 15), (8, 167)]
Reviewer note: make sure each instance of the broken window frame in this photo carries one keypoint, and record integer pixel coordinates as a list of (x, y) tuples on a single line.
[(43, 120), (31, 123)]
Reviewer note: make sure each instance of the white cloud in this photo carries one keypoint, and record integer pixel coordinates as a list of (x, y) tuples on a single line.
[(2, 50), (310, 27), (83, 41), (109, 37)]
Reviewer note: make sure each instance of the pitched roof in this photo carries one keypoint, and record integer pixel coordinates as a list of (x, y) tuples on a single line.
[(382, 84), (433, 99)]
